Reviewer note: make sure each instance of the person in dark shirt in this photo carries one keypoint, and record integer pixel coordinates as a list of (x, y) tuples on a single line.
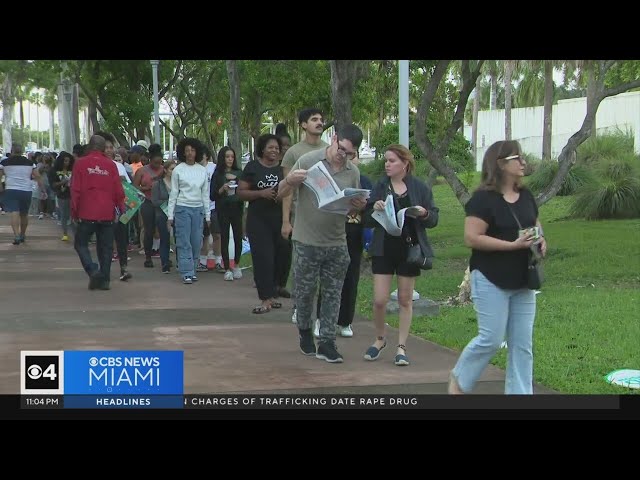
[(499, 259), (259, 186)]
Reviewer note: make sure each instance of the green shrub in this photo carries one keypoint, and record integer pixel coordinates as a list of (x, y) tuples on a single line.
[(611, 145), (614, 194), (544, 174)]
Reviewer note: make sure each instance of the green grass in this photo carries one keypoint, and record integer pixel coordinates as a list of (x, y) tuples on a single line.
[(587, 314)]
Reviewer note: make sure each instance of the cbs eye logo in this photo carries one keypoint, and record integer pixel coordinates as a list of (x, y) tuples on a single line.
[(42, 373)]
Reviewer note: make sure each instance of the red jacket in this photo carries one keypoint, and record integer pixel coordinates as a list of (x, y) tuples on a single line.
[(96, 190)]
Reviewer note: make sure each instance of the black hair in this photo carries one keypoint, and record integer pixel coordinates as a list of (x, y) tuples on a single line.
[(59, 163), (206, 151), (155, 150), (307, 113), (281, 130), (191, 142), (222, 166), (350, 132), (78, 150), (262, 141), (107, 136)]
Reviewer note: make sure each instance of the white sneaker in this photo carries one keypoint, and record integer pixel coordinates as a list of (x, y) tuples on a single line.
[(394, 295), (228, 276), (316, 331), (294, 317), (345, 331), (237, 273)]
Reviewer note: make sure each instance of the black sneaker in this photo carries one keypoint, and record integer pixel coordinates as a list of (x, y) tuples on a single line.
[(166, 269), (307, 345), (148, 263), (327, 351), (95, 280), (124, 276)]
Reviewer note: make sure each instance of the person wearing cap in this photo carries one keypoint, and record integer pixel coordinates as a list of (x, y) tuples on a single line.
[(143, 144)]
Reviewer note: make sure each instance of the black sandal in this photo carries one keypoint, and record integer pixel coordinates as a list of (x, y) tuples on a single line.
[(261, 309), (276, 305)]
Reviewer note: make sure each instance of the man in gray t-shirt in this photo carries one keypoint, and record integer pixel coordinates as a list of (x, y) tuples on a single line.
[(320, 241)]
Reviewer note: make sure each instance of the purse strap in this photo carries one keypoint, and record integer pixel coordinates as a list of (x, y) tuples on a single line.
[(514, 216), (532, 259)]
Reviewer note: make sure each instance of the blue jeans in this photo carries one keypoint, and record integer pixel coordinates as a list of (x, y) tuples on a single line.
[(499, 311), (188, 222)]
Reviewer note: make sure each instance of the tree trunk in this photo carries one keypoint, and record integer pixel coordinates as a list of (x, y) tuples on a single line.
[(7, 112), (21, 113), (591, 93), (474, 122), (508, 70), (52, 129), (548, 106), (436, 156), (235, 140), (595, 95), (493, 95), (342, 83), (93, 118), (75, 113)]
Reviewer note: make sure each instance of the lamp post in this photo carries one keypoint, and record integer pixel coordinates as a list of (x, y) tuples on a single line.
[(64, 115), (403, 101), (156, 107)]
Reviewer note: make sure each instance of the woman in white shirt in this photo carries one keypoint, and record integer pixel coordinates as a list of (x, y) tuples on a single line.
[(188, 206)]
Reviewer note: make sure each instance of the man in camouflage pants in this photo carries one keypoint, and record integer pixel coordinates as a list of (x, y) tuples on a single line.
[(320, 241)]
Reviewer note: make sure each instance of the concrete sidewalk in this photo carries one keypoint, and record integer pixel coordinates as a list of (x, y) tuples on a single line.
[(45, 305)]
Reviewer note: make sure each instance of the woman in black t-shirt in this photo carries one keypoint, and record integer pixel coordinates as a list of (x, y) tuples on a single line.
[(259, 185), (499, 259)]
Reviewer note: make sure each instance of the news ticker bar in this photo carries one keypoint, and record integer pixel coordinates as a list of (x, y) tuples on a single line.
[(295, 401)]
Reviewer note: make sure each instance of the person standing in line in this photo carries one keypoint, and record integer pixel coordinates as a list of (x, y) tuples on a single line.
[(188, 205), (389, 253), (259, 186), (320, 242), (97, 197), (229, 208), (311, 121), (355, 243), (160, 196), (143, 180), (500, 252)]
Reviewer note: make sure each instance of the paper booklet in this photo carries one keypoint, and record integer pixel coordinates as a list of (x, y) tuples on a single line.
[(330, 197), (392, 221)]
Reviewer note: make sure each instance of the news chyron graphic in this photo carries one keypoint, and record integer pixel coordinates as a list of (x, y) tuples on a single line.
[(42, 372), (109, 379)]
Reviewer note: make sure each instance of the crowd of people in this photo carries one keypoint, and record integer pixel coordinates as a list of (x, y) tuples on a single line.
[(201, 203)]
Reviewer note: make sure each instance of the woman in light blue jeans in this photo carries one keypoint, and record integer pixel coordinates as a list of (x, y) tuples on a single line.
[(499, 260), (188, 206)]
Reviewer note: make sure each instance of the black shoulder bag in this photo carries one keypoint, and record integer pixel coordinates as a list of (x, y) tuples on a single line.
[(535, 275), (415, 255)]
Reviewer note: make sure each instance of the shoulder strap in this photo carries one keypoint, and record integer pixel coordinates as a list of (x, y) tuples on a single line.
[(514, 215)]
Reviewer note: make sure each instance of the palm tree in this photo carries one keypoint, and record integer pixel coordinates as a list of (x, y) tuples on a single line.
[(50, 101)]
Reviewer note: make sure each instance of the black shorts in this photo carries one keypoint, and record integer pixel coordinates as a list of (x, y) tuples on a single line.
[(215, 225), (394, 261)]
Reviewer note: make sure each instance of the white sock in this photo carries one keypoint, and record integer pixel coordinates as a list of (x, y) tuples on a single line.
[(219, 259), (156, 244), (203, 259)]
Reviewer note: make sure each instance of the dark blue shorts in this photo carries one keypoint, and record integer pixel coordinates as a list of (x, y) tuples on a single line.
[(17, 201)]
